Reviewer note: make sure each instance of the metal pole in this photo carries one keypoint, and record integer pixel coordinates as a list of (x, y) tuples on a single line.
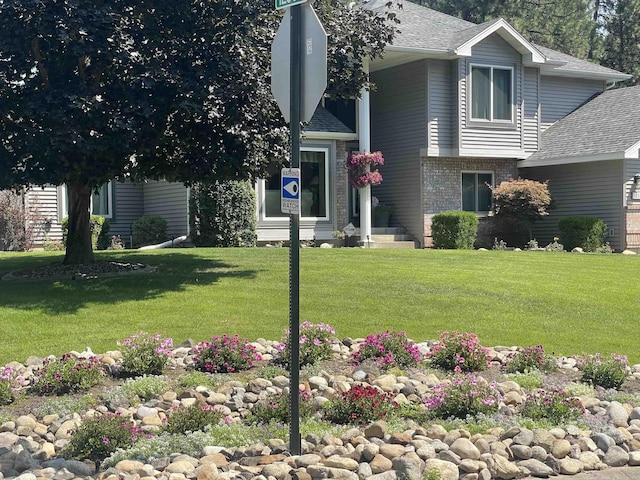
[(294, 236)]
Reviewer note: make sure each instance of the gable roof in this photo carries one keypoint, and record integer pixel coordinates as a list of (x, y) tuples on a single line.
[(605, 128), (426, 33), (324, 125)]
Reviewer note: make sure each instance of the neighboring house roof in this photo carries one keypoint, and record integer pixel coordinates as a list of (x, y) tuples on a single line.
[(605, 128), (426, 33), (324, 125)]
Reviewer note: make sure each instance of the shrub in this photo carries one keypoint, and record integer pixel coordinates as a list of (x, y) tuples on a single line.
[(454, 230), (18, 224), (531, 358), (223, 214), (67, 374), (63, 406), (225, 355), (522, 200), (315, 344), (388, 349), (585, 232), (553, 405), (277, 408), (99, 227), (149, 230), (529, 380), (143, 354), (360, 405), (191, 419), (459, 352), (143, 388), (98, 437), (604, 372), (466, 395)]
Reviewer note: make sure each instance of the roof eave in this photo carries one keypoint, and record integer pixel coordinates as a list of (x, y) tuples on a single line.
[(564, 160), (311, 135), (608, 77)]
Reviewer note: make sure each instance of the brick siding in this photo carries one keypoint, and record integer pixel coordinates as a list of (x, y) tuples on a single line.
[(341, 186), (633, 227)]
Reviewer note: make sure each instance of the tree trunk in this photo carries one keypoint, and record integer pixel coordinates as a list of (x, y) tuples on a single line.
[(78, 249)]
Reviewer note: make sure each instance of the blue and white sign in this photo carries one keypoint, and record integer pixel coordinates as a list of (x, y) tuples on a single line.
[(290, 193)]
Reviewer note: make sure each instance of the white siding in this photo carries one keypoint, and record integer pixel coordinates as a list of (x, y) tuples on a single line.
[(43, 205), (493, 51), (531, 121), (441, 108), (591, 189), (169, 200), (560, 96), (127, 207), (399, 131)]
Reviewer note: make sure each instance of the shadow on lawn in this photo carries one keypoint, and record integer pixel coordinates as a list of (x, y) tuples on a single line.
[(174, 273)]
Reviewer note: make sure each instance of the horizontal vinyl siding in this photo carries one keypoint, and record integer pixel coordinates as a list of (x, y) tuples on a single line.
[(128, 207), (399, 131), (531, 119), (589, 189), (560, 96), (441, 109), (493, 51), (632, 169), (43, 205), (169, 200)]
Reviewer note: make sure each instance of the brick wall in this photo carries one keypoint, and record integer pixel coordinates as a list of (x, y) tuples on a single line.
[(633, 227), (341, 186), (441, 185)]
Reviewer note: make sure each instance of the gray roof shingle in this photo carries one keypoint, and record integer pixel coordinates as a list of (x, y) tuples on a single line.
[(608, 124), (324, 121)]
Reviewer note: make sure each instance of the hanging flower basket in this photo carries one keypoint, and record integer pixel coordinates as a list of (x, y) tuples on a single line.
[(359, 166)]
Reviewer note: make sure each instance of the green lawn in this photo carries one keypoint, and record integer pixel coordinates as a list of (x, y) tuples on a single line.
[(567, 302)]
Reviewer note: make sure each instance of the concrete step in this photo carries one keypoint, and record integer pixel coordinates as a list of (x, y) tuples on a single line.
[(401, 244), (392, 237)]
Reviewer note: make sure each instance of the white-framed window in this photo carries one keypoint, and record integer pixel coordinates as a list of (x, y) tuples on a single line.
[(476, 194), (314, 186), (491, 93), (101, 201)]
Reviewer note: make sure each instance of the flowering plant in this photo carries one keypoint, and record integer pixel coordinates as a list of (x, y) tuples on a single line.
[(115, 243), (144, 354), (460, 352), (315, 344), (278, 408), (67, 374), (604, 372), (225, 354), (358, 165), (530, 358), (361, 404), (388, 349), (191, 419), (465, 395), (9, 384), (553, 405)]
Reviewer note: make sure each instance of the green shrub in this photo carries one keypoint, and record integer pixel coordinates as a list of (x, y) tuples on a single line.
[(454, 230), (585, 232), (604, 372), (98, 437), (277, 408), (63, 406), (143, 388), (99, 226), (194, 418), (144, 354), (223, 214), (459, 352), (315, 344), (388, 349), (531, 358), (466, 395), (225, 355), (553, 405), (360, 405), (67, 374), (149, 230)]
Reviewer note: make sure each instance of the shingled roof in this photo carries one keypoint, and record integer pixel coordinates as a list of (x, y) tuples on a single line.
[(324, 121), (605, 128)]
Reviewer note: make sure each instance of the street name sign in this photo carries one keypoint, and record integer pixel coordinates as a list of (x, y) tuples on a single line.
[(288, 3), (290, 192)]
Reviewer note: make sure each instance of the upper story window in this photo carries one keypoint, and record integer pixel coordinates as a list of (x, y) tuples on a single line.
[(491, 93), (476, 194)]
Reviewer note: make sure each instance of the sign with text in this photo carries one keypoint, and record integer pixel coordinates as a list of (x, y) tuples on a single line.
[(290, 193), (288, 3)]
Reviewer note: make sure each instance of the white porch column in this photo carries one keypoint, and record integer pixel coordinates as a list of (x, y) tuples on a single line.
[(364, 137)]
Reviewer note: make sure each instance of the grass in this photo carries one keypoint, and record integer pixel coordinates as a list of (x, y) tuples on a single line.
[(569, 303)]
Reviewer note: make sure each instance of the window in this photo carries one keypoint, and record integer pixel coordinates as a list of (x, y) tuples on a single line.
[(491, 93), (101, 202), (476, 194), (314, 187)]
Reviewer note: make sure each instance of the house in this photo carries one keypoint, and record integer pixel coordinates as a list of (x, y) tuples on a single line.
[(458, 107)]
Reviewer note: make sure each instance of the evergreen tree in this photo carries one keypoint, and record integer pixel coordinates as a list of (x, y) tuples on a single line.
[(622, 37)]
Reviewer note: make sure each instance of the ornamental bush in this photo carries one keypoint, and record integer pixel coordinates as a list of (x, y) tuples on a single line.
[(388, 349), (553, 405), (225, 354), (144, 354), (149, 230), (67, 374), (454, 230), (315, 344), (6, 387), (531, 358), (588, 233), (277, 408), (223, 214), (194, 418), (598, 370), (99, 227), (522, 200), (466, 395), (459, 352), (360, 405)]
